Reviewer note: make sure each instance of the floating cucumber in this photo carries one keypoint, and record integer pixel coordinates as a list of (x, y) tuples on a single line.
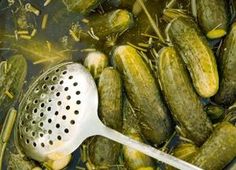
[(143, 94), (185, 104)]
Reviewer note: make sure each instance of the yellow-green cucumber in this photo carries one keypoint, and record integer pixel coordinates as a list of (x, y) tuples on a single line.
[(227, 68), (196, 53), (102, 151), (212, 16), (12, 77), (219, 149), (181, 97), (81, 6), (143, 94), (133, 159)]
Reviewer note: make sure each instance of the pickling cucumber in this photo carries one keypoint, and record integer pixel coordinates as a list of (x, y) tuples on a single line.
[(102, 151), (212, 17), (82, 6), (143, 94), (219, 149), (133, 159), (196, 53), (181, 98), (227, 68), (12, 77), (115, 21)]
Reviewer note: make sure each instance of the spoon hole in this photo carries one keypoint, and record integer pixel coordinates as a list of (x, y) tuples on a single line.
[(51, 142), (76, 112), (72, 122), (66, 130)]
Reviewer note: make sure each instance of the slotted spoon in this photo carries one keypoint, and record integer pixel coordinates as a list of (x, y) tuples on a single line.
[(59, 111)]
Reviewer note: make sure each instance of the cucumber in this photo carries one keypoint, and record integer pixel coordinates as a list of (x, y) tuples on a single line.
[(12, 77), (196, 53), (102, 151), (133, 159), (115, 21), (185, 104), (219, 149), (82, 6), (143, 94), (96, 62), (227, 67), (185, 151), (111, 4), (142, 24), (212, 17), (215, 112)]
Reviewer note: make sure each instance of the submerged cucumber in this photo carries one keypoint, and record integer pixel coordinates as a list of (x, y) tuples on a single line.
[(196, 53), (215, 112), (212, 17), (12, 77), (219, 149), (115, 21), (227, 65), (184, 151), (143, 94), (133, 158), (182, 100), (82, 6), (102, 151)]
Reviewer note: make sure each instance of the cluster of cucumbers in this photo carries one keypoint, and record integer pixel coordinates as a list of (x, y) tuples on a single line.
[(174, 78)]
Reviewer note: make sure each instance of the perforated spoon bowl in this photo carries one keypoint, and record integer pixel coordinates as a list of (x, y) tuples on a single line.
[(59, 111)]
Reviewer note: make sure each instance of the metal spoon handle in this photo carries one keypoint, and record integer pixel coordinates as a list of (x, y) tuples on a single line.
[(146, 149)]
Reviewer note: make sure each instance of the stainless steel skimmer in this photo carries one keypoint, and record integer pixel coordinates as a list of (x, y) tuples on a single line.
[(59, 111)]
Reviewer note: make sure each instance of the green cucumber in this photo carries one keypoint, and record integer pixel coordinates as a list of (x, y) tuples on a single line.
[(184, 151), (115, 21), (227, 68), (143, 94), (212, 17), (219, 149), (12, 77), (182, 100), (102, 151), (133, 159), (215, 112), (196, 53), (82, 6)]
